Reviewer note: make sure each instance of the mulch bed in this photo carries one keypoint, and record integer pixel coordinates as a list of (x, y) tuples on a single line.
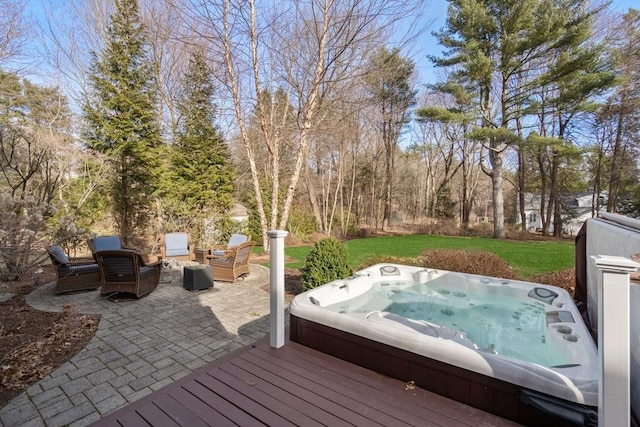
[(32, 342)]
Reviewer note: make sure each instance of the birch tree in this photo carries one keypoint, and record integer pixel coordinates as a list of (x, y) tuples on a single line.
[(306, 48)]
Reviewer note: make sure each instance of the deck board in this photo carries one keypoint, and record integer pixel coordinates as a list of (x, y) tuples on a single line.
[(229, 410), (330, 395), (286, 397), (343, 388), (364, 386), (203, 411), (251, 406), (156, 417), (289, 386), (179, 413), (299, 397)]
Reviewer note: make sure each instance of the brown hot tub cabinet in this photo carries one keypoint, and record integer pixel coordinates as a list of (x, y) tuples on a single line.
[(492, 395)]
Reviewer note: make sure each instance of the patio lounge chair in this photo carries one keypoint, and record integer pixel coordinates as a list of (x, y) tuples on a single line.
[(177, 246), (126, 271), (74, 274), (232, 264)]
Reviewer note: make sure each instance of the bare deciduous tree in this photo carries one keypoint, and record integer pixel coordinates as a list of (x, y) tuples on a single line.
[(309, 49), (13, 30)]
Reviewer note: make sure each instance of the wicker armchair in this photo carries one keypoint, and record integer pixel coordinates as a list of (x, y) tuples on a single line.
[(234, 240), (74, 274), (232, 264), (125, 271)]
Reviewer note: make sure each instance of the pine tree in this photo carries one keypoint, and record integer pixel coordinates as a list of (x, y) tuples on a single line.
[(501, 52), (122, 119), (202, 174)]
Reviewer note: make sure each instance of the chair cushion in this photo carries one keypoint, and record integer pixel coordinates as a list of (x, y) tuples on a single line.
[(58, 252), (218, 252), (237, 239), (176, 241), (107, 243), (176, 252)]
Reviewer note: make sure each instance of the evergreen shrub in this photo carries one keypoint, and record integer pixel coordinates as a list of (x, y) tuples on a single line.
[(327, 261)]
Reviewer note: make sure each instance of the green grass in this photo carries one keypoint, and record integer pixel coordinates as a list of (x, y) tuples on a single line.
[(527, 258)]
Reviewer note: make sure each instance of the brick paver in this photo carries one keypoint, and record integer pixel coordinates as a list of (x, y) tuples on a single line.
[(140, 346)]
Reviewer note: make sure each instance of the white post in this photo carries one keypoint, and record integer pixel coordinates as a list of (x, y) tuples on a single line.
[(614, 398), (276, 288)]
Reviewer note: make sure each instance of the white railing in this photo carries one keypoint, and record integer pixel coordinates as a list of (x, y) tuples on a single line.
[(614, 333), (276, 287)]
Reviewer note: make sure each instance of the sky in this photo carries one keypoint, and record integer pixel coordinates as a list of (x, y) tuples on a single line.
[(425, 44)]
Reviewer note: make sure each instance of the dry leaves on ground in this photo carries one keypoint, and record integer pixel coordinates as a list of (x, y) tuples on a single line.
[(32, 342)]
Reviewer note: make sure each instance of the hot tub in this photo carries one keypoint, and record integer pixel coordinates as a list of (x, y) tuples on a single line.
[(513, 348)]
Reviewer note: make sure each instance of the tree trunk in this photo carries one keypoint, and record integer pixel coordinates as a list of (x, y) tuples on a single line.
[(387, 190), (522, 190), (497, 181), (311, 191), (553, 210), (616, 160)]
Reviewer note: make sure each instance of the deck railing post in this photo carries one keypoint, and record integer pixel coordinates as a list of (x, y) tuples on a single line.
[(614, 399), (276, 287)]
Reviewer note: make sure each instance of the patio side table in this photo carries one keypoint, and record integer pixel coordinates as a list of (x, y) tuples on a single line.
[(201, 255), (197, 277)]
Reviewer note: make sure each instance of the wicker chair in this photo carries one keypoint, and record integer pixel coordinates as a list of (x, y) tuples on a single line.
[(177, 246), (234, 241), (74, 274), (125, 271), (232, 264)]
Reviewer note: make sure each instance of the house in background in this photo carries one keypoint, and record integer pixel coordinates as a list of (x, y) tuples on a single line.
[(239, 213), (577, 208)]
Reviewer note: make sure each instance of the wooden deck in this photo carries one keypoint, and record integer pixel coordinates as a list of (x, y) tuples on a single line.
[(293, 385)]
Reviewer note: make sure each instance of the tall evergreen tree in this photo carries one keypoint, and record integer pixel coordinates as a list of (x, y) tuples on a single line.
[(202, 174), (122, 119), (500, 50)]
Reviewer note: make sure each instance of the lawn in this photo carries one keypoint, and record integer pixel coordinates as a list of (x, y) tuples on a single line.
[(528, 258)]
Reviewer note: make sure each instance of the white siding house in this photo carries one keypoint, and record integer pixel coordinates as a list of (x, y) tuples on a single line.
[(577, 209)]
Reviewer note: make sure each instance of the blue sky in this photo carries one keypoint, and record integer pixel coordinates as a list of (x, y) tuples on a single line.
[(434, 19)]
